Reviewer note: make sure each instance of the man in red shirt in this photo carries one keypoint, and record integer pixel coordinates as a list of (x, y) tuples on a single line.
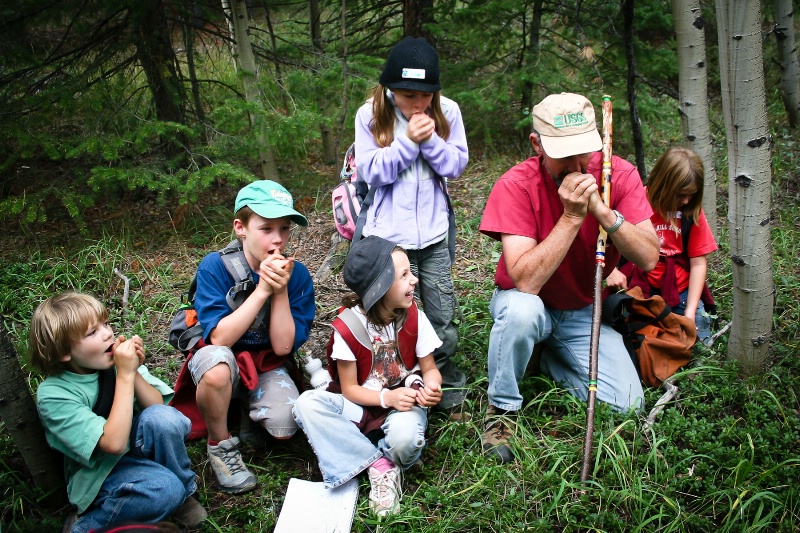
[(546, 212)]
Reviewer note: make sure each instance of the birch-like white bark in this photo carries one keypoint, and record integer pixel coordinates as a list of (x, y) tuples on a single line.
[(247, 63), (693, 80), (749, 143)]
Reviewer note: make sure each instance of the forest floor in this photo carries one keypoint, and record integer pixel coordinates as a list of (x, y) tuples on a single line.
[(455, 489), (176, 239)]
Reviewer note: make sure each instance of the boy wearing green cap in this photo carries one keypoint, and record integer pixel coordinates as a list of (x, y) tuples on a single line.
[(246, 353)]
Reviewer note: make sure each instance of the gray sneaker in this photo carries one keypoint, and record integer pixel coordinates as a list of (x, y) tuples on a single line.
[(226, 461)]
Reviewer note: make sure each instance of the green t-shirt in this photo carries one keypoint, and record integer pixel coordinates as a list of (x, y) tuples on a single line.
[(65, 404)]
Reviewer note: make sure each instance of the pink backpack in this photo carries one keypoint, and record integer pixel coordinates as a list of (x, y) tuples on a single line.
[(350, 203)]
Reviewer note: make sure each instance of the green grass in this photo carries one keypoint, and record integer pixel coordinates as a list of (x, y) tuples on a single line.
[(724, 455)]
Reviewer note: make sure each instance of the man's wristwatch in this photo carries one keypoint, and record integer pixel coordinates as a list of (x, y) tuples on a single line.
[(617, 223)]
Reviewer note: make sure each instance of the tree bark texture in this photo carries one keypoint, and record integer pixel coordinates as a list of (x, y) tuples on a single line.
[(343, 115), (636, 123), (527, 101), (326, 132), (416, 14), (155, 54), (692, 86), (749, 143), (787, 54), (247, 64), (18, 412)]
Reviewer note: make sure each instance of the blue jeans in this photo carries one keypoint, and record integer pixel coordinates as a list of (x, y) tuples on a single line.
[(342, 450), (432, 266), (701, 319), (521, 320), (152, 479)]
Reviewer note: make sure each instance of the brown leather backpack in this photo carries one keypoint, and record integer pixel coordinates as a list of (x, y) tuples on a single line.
[(658, 340)]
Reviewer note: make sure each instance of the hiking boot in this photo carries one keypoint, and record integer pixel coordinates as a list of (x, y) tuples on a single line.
[(191, 513), (229, 469), (496, 434), (385, 492)]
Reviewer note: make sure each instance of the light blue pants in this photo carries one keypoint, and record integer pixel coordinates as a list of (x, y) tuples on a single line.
[(342, 450), (521, 321), (152, 479)]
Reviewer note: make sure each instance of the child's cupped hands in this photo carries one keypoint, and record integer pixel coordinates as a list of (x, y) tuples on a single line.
[(420, 127), (429, 395), (276, 270), (128, 353), (402, 398)]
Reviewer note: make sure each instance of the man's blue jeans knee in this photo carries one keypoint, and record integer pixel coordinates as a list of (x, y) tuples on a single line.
[(522, 320)]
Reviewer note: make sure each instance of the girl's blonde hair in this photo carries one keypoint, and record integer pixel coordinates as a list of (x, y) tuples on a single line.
[(379, 314), (678, 169), (382, 125), (58, 324)]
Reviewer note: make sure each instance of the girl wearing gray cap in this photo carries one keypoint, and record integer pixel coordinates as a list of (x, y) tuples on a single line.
[(373, 416), (409, 140)]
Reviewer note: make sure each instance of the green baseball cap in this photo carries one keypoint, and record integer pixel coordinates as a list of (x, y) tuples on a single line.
[(270, 200)]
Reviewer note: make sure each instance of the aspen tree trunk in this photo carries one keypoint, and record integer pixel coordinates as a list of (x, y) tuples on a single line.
[(693, 76), (226, 8), (247, 63), (749, 142), (787, 54), (18, 413)]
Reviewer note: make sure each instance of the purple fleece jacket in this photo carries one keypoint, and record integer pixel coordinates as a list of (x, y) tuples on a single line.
[(409, 208)]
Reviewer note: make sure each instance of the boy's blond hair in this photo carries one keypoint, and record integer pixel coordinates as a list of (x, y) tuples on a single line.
[(58, 324)]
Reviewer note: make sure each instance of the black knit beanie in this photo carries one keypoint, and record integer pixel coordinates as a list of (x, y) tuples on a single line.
[(414, 65)]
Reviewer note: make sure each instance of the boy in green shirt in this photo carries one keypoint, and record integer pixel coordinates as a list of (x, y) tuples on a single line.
[(123, 462)]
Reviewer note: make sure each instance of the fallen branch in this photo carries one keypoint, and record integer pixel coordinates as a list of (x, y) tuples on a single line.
[(125, 292), (713, 338), (671, 390)]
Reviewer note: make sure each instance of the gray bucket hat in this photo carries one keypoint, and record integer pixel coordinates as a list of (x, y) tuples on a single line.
[(369, 269)]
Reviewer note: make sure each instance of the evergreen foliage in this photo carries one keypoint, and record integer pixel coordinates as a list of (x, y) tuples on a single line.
[(82, 132)]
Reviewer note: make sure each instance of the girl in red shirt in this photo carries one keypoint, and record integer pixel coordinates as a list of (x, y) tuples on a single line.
[(675, 192)]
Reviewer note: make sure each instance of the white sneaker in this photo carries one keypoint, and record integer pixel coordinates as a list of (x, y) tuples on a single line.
[(226, 461), (385, 494)]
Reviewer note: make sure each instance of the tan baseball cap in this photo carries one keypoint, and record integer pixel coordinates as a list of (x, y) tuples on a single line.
[(566, 126)]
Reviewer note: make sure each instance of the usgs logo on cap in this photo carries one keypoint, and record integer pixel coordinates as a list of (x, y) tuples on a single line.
[(569, 120)]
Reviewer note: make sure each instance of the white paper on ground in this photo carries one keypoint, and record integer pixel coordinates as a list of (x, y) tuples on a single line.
[(311, 508)]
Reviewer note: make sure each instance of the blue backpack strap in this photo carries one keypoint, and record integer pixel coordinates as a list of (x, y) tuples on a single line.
[(451, 230), (362, 216), (236, 264)]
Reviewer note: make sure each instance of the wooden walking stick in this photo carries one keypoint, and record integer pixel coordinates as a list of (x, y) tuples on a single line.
[(597, 305)]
